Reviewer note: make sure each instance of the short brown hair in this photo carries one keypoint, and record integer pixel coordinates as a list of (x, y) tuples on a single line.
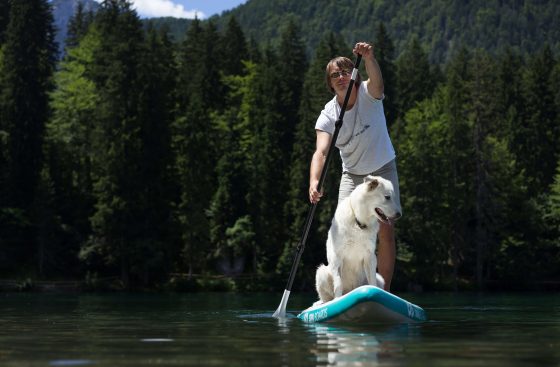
[(342, 63)]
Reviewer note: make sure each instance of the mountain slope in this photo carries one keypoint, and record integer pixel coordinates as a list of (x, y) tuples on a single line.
[(441, 25)]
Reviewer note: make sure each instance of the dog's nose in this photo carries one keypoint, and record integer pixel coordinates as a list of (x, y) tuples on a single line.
[(398, 215)]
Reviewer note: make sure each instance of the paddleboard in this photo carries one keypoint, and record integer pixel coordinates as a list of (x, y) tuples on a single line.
[(365, 304)]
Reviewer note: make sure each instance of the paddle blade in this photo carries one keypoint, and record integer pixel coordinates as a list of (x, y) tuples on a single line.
[(281, 311)]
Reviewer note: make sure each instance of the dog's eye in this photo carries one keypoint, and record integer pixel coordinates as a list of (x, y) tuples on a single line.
[(387, 197)]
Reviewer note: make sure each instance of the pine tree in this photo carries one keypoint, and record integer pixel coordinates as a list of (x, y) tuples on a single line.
[(199, 67), (267, 170), (156, 102), (254, 53), (458, 161), (69, 149), (189, 64), (537, 134), (483, 89), (194, 160), (27, 65), (423, 231), (502, 220), (278, 95), (214, 90), (24, 88), (509, 97), (200, 93), (78, 26), (384, 53), (234, 48), (435, 174), (229, 205), (117, 143), (511, 223), (414, 78), (4, 18), (292, 65)]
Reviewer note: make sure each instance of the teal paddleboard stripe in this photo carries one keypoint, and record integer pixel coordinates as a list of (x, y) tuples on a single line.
[(339, 306)]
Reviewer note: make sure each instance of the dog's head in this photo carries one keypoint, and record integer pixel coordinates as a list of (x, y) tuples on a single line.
[(378, 195)]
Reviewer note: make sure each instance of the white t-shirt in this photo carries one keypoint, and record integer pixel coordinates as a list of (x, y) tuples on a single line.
[(363, 139)]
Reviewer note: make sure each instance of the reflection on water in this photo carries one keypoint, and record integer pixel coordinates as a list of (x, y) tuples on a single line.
[(340, 347), (156, 340), (350, 346), (121, 330), (71, 362)]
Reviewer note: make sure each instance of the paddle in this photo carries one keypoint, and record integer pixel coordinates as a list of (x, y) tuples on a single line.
[(281, 311)]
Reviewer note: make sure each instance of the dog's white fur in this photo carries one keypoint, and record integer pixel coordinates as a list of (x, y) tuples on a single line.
[(352, 239)]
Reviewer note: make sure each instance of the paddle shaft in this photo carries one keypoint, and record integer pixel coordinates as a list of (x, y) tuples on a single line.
[(313, 206)]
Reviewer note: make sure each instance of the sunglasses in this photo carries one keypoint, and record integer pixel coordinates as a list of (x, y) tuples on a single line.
[(337, 74)]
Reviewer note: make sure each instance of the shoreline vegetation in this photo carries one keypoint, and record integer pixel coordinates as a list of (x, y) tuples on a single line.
[(185, 283)]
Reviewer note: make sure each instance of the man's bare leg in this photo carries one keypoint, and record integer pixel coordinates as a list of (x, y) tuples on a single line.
[(386, 253)]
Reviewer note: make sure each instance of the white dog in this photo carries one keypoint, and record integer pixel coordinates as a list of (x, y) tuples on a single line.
[(352, 239)]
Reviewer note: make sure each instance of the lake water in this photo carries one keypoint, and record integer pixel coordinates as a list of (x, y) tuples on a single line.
[(221, 329)]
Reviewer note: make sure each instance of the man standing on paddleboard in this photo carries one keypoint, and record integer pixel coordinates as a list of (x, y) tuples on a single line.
[(363, 141)]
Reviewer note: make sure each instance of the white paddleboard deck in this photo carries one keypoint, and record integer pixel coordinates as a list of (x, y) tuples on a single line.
[(365, 304)]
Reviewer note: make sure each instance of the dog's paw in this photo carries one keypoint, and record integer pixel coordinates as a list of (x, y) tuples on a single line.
[(318, 303), (380, 281)]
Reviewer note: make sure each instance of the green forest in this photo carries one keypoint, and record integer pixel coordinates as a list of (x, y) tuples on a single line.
[(137, 162), (442, 26)]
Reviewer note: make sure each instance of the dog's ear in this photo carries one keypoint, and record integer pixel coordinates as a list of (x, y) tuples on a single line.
[(371, 181), (372, 185)]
